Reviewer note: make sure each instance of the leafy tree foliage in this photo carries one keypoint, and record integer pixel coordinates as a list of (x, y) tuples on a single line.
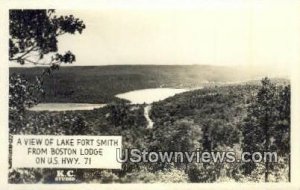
[(34, 33), (22, 93), (267, 124)]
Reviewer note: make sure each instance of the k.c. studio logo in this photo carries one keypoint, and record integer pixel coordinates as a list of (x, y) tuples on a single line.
[(65, 175)]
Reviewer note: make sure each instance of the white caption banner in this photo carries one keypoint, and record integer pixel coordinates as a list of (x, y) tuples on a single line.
[(49, 151)]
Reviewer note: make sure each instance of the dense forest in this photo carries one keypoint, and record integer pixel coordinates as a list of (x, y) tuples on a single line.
[(215, 118)]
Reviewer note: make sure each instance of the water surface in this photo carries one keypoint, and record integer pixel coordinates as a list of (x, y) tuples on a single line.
[(65, 106), (148, 96)]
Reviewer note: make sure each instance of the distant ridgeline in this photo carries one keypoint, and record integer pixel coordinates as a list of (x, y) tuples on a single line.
[(100, 84)]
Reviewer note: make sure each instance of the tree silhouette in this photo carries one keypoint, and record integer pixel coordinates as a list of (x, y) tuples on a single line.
[(266, 127), (33, 34)]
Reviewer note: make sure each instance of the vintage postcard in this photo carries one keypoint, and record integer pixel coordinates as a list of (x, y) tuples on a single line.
[(163, 94)]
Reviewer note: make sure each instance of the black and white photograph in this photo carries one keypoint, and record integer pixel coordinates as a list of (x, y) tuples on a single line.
[(151, 93)]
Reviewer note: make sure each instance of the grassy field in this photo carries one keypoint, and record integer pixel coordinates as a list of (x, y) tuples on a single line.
[(99, 84)]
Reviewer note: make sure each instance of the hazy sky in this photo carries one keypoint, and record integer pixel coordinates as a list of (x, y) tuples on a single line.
[(238, 32)]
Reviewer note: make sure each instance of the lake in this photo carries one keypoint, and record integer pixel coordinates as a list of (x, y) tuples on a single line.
[(150, 95), (65, 106), (147, 96)]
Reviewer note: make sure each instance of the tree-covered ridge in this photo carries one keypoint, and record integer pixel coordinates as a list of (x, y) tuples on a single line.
[(252, 118), (92, 84), (209, 119)]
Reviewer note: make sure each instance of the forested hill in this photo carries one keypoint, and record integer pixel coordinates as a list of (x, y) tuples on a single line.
[(216, 118), (217, 110), (99, 84), (228, 118)]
